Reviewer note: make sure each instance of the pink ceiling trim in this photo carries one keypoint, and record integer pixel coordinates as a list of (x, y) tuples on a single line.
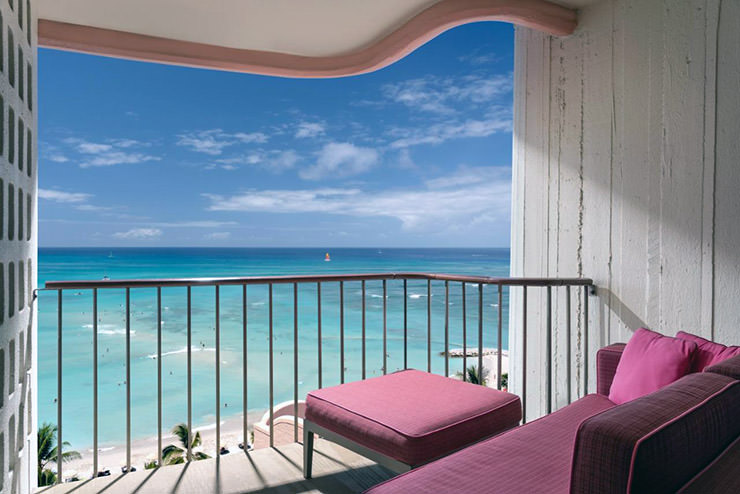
[(446, 14)]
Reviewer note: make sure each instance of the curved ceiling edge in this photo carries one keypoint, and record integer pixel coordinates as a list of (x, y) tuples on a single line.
[(446, 14)]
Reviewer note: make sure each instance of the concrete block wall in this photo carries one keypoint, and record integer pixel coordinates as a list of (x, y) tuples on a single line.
[(18, 227)]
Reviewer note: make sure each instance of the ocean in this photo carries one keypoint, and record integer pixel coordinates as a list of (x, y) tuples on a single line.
[(118, 263)]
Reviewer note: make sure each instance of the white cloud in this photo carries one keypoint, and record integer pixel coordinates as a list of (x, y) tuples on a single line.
[(441, 132), (445, 94), (309, 129), (60, 196), (93, 148), (218, 236), (282, 160), (341, 159), (479, 59), (118, 158), (58, 158), (139, 233), (214, 141), (405, 161), (109, 153), (257, 137), (127, 143), (92, 208), (193, 224), (274, 161), (471, 195)]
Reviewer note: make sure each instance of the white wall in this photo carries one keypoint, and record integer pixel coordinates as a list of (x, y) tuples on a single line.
[(17, 246), (627, 171)]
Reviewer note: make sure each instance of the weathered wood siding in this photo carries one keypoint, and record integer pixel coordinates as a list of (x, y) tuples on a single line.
[(627, 170)]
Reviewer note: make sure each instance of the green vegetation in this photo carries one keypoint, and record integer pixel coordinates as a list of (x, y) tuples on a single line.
[(472, 375), (173, 455), (47, 443)]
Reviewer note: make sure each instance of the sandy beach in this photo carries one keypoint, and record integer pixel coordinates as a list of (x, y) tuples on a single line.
[(143, 450)]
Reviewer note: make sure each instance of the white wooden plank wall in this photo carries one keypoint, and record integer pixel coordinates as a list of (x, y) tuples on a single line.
[(626, 170)]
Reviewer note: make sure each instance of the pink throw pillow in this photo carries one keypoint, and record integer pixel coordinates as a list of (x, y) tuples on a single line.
[(649, 362), (708, 352)]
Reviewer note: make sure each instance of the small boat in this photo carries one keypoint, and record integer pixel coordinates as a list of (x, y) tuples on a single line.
[(106, 278), (110, 255), (327, 258)]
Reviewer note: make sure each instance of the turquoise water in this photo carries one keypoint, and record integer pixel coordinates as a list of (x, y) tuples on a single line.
[(71, 264)]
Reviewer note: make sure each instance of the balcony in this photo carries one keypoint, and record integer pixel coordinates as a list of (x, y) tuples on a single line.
[(320, 331), (278, 469)]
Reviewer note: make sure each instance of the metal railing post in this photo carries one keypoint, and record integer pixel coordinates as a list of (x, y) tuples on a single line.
[(295, 362), (500, 336), (95, 381), (159, 377), (318, 321), (128, 380), (548, 350), (272, 375), (429, 325), (245, 372), (481, 373), (218, 372), (464, 332), (585, 340), (363, 332), (59, 389), (567, 344), (385, 327), (189, 354), (524, 355), (447, 329), (405, 324), (341, 332)]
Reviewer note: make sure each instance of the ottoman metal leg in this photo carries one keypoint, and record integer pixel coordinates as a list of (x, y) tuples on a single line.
[(307, 449)]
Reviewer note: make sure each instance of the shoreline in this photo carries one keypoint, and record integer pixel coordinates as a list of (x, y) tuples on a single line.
[(145, 449)]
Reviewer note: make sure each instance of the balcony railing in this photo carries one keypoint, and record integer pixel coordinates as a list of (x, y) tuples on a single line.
[(433, 284)]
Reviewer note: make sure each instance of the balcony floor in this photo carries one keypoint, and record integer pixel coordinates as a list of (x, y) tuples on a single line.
[(277, 470)]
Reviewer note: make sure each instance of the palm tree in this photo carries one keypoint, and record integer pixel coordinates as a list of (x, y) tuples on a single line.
[(472, 375), (173, 455), (47, 452)]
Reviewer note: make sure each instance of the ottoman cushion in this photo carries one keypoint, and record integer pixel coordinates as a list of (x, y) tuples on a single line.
[(413, 416)]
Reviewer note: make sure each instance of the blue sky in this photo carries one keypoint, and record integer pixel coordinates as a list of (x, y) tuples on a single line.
[(415, 155)]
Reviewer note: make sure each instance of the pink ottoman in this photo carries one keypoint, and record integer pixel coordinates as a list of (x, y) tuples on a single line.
[(408, 418)]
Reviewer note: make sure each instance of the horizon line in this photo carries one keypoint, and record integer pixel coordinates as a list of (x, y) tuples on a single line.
[(254, 247)]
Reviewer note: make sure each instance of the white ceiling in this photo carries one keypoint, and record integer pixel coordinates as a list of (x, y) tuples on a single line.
[(300, 27)]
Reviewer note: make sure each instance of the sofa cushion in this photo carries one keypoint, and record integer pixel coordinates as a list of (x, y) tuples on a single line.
[(649, 362), (533, 458), (413, 416), (708, 352), (729, 368), (657, 443)]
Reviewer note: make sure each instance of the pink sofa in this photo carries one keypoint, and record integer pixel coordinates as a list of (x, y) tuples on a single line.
[(684, 437)]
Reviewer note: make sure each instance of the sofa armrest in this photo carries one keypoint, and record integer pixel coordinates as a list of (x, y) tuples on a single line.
[(607, 359), (659, 442)]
